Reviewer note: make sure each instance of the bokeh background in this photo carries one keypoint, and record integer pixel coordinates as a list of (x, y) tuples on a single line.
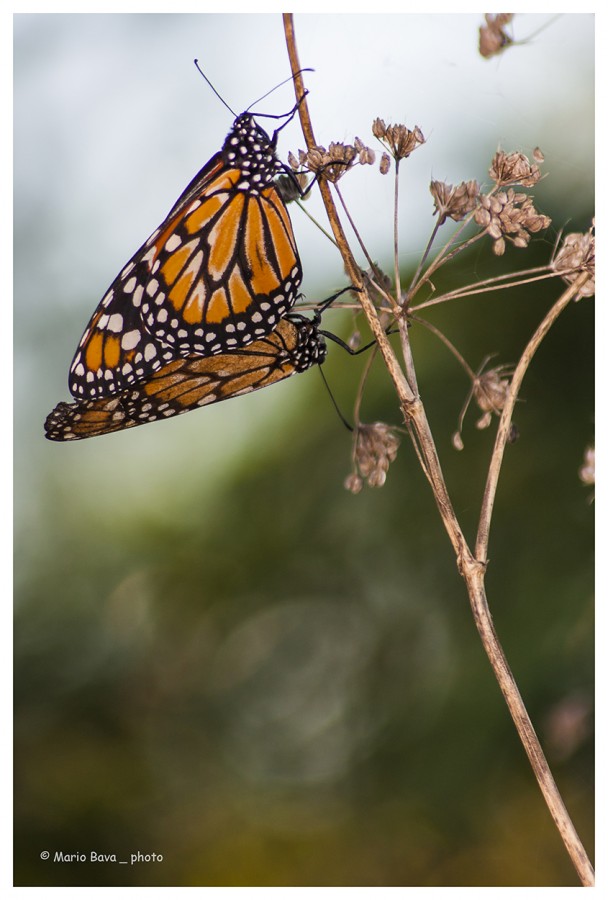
[(221, 656)]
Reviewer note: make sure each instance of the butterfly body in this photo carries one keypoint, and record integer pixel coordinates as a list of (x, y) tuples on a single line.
[(186, 383), (218, 274)]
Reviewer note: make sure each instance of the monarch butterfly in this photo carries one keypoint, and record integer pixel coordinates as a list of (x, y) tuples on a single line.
[(187, 383), (218, 273)]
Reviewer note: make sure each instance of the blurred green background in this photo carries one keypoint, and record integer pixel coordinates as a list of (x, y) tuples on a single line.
[(221, 656)]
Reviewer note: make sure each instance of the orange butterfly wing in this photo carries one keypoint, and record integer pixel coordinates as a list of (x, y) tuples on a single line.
[(218, 274), (185, 384)]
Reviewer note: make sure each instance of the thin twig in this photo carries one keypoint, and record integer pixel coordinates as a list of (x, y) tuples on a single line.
[(504, 427), (397, 275), (490, 285)]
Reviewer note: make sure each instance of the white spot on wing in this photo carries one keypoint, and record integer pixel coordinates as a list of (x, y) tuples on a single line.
[(115, 323), (130, 339)]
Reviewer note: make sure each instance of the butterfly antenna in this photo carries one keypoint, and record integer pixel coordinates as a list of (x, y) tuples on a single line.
[(333, 400), (215, 91), (276, 87)]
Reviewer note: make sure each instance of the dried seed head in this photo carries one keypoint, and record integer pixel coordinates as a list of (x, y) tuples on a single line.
[(367, 156), (398, 140), (385, 163), (575, 256), (457, 441), (586, 473), (375, 449), (509, 216), (379, 129), (484, 422), (353, 483), (454, 202), (491, 388), (492, 36), (499, 247), (332, 163), (513, 168)]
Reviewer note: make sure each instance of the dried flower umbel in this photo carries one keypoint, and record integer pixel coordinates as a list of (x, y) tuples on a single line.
[(491, 388), (334, 161), (454, 202), (375, 449), (577, 255), (514, 168), (509, 216), (492, 36), (490, 391), (398, 140)]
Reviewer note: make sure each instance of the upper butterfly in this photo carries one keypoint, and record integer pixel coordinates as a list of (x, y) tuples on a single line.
[(218, 274)]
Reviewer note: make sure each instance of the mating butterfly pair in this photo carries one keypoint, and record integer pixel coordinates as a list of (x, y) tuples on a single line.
[(199, 313)]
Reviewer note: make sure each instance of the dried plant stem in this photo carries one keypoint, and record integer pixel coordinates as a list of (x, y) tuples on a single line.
[(372, 265), (424, 257), (483, 620), (405, 393), (483, 532), (444, 255), (499, 283), (471, 568), (397, 275)]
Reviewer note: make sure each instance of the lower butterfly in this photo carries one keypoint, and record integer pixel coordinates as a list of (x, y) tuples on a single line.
[(185, 384)]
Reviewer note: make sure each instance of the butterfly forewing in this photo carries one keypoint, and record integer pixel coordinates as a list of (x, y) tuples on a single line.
[(218, 274)]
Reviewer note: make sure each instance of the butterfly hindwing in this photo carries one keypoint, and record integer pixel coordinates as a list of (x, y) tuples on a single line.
[(185, 384)]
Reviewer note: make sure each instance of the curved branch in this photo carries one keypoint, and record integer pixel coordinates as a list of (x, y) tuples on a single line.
[(504, 426)]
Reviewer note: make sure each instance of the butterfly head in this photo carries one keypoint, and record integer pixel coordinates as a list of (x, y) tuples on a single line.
[(249, 148)]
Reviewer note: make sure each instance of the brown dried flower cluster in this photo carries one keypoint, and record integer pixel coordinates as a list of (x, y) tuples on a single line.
[(398, 140), (509, 216), (454, 202), (577, 255), (375, 449), (367, 156), (385, 163), (334, 161), (492, 36), (515, 168), (490, 391)]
